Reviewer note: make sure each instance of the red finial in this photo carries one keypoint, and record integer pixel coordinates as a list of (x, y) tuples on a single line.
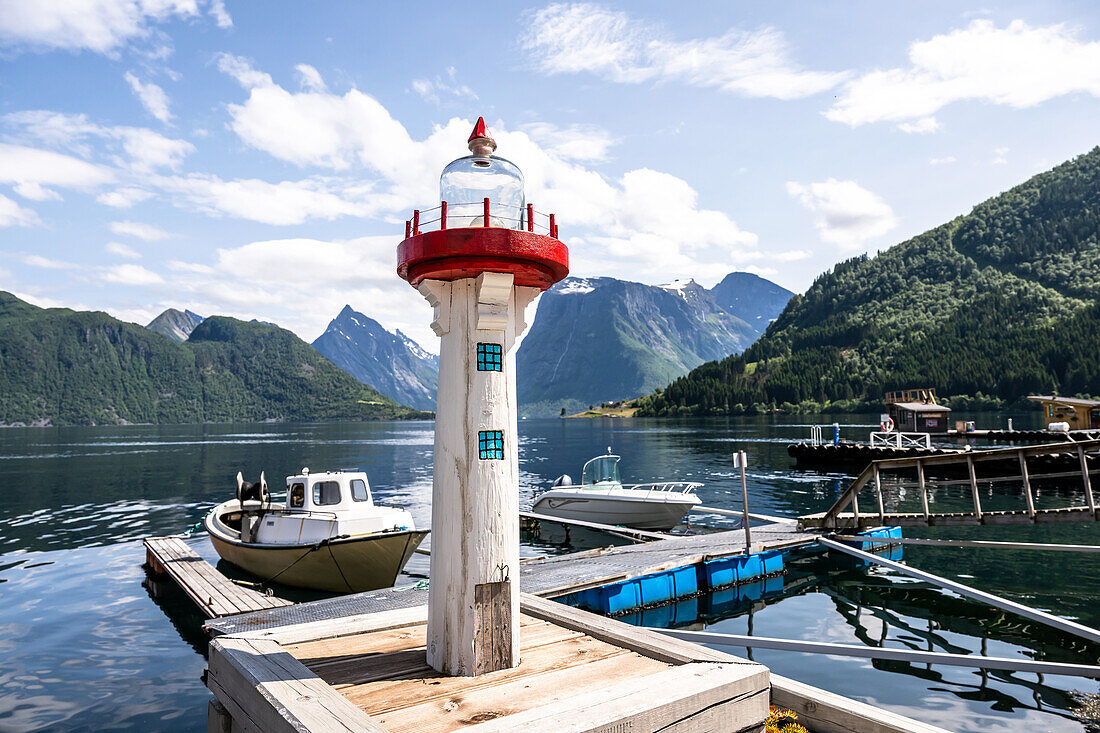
[(479, 131), (480, 143)]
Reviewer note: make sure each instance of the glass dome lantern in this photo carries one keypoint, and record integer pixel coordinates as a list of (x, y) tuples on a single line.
[(466, 183)]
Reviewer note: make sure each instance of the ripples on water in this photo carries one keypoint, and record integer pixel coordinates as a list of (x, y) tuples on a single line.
[(87, 642)]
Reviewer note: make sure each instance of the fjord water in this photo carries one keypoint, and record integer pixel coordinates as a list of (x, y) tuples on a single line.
[(88, 643)]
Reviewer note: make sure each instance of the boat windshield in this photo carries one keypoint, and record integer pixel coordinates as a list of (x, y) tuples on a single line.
[(603, 468)]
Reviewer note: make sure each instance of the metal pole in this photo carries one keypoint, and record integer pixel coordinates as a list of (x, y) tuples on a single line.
[(729, 513), (416, 221), (745, 502), (485, 204), (974, 487), (902, 655), (878, 494), (1088, 482), (977, 543), (442, 215), (530, 217), (923, 490), (1062, 624), (1027, 486)]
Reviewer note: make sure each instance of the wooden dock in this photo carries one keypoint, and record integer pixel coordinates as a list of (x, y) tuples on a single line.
[(214, 594), (1024, 462), (547, 577), (578, 672), (357, 662)]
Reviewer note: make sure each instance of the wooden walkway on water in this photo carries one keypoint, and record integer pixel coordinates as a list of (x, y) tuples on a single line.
[(214, 594), (1082, 455)]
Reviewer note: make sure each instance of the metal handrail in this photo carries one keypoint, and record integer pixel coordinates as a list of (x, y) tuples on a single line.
[(677, 487), (527, 215), (897, 439)]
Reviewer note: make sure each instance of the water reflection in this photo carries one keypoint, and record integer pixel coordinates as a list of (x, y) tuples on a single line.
[(86, 647)]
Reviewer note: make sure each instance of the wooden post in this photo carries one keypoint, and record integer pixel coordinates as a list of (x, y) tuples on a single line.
[(473, 598), (745, 502), (1088, 482), (974, 487), (878, 495), (1027, 486), (923, 490)]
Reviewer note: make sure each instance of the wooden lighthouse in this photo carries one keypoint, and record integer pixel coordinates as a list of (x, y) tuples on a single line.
[(479, 259)]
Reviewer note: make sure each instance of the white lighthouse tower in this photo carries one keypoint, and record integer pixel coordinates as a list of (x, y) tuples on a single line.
[(479, 259)]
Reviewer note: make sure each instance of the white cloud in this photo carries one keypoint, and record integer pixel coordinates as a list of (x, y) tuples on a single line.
[(221, 15), (576, 142), (46, 263), (117, 248), (31, 168), (131, 275), (847, 214), (1019, 65), (581, 37), (651, 220), (283, 203), (923, 126), (945, 160), (101, 26), (12, 214), (151, 96), (310, 79), (442, 89), (1000, 156), (123, 198), (138, 148), (147, 232), (36, 192)]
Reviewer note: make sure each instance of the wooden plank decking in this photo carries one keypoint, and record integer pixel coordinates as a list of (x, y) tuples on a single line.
[(548, 577), (212, 592), (577, 672)]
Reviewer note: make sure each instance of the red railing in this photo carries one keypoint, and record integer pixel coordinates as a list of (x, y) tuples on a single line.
[(482, 214)]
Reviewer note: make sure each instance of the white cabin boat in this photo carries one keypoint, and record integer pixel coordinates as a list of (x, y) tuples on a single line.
[(601, 497), (329, 535)]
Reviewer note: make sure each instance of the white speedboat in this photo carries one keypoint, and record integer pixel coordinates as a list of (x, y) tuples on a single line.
[(329, 534), (601, 497)]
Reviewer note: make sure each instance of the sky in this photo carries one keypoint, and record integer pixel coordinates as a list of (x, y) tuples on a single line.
[(259, 159)]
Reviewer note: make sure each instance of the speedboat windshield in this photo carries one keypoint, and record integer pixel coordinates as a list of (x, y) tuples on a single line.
[(601, 469)]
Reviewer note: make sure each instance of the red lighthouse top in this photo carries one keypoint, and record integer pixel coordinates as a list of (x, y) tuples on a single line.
[(492, 230)]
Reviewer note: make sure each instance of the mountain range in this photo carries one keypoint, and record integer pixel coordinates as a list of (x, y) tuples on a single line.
[(392, 363), (1002, 302), (65, 367), (601, 339)]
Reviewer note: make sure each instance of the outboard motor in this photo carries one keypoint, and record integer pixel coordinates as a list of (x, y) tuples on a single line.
[(252, 492), (563, 480)]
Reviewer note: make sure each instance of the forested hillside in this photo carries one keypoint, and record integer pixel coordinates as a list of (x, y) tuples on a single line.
[(1002, 301), (64, 367)]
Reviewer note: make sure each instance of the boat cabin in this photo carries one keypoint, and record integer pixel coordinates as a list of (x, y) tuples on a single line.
[(601, 470), (1081, 414), (324, 505), (919, 417)]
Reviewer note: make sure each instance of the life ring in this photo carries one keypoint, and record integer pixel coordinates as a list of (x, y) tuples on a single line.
[(887, 426)]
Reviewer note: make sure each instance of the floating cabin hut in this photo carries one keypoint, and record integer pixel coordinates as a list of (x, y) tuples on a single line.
[(916, 411), (1081, 414)]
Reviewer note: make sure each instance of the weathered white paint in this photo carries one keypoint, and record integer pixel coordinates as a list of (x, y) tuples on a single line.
[(475, 503)]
